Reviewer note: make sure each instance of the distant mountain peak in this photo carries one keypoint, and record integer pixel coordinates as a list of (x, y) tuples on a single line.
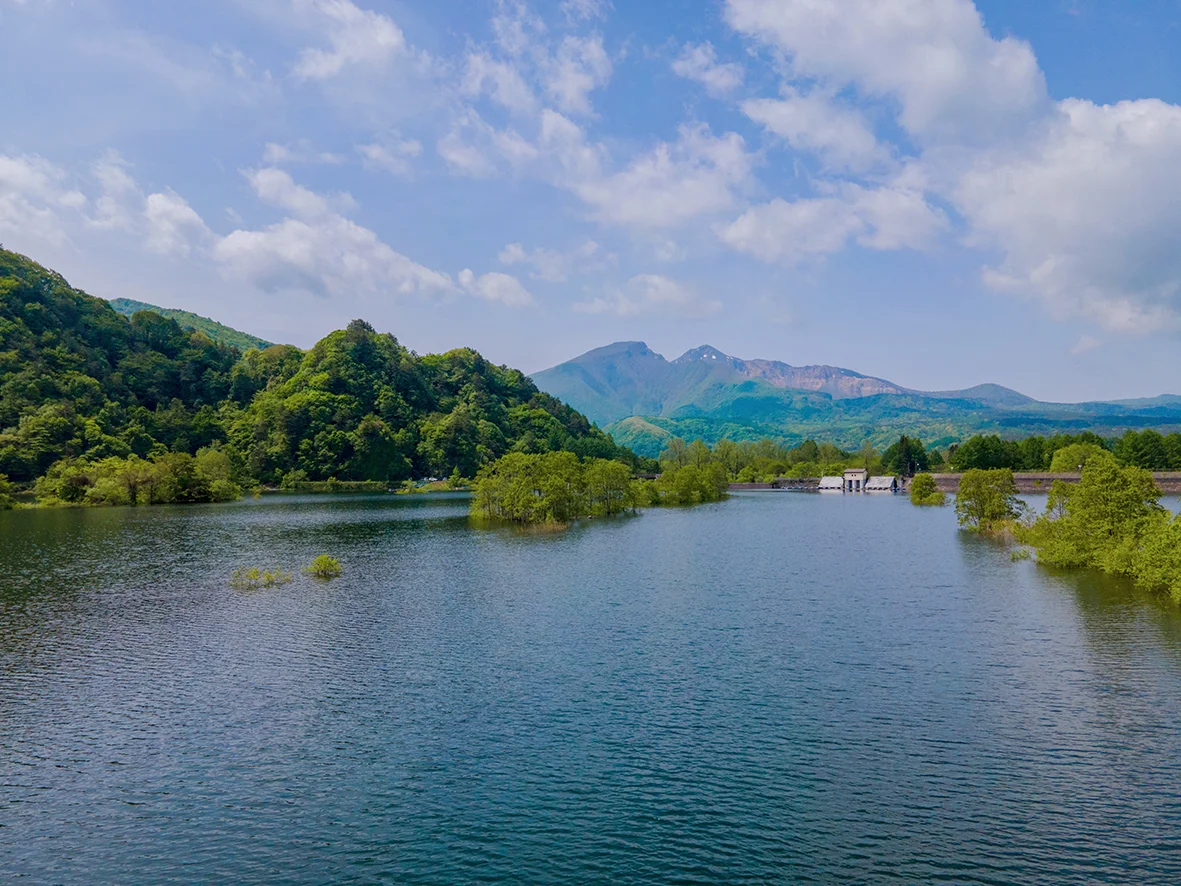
[(705, 352)]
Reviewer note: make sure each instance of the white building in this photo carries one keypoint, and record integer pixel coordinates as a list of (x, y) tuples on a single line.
[(855, 479)]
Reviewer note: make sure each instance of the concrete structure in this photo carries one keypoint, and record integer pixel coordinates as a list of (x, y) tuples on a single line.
[(1032, 484), (883, 484), (855, 479), (832, 484)]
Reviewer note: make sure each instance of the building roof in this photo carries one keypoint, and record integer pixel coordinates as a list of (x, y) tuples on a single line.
[(855, 471), (880, 483), (832, 482)]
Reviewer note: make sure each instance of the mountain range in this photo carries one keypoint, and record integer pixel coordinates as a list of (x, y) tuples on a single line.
[(643, 399)]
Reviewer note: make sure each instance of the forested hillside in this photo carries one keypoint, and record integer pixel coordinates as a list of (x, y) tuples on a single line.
[(79, 381), (219, 332)]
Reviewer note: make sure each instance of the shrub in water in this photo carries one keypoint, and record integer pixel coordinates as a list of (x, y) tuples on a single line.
[(251, 578), (923, 491), (325, 567)]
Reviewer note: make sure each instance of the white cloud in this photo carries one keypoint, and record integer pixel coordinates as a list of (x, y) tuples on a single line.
[(329, 256), (551, 265), (501, 80), (700, 63), (953, 80), (478, 150), (496, 287), (33, 196), (394, 156), (358, 37), (301, 152), (1080, 203), (585, 10), (894, 216), (1086, 215), (173, 226), (579, 67), (1085, 345), (840, 136), (673, 183), (652, 293), (277, 188), (515, 27)]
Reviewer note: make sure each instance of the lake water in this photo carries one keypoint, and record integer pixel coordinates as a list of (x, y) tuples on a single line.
[(781, 688)]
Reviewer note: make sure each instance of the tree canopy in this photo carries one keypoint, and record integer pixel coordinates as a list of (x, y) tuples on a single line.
[(81, 384)]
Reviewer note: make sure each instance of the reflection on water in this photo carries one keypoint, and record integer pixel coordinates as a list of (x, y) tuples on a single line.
[(778, 688)]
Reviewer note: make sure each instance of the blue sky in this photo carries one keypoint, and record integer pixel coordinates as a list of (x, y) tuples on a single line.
[(933, 191)]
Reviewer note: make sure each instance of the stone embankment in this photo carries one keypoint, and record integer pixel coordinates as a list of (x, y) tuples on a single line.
[(1027, 484), (1032, 484)]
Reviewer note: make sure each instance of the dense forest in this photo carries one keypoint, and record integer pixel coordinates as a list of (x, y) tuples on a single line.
[(87, 395), (219, 332)]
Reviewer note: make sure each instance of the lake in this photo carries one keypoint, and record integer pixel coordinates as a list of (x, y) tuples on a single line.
[(780, 688)]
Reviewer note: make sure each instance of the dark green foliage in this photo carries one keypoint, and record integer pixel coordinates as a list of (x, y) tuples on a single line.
[(169, 477), (79, 380), (362, 407), (1033, 454), (1111, 520), (987, 500), (924, 492), (7, 502), (81, 384), (552, 488), (214, 330), (906, 457)]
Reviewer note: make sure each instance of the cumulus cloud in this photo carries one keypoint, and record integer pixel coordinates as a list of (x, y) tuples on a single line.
[(33, 197), (700, 63), (496, 287), (1079, 202), (675, 182), (895, 216), (814, 122), (358, 37), (651, 293), (329, 256), (1086, 215), (173, 226), (952, 79)]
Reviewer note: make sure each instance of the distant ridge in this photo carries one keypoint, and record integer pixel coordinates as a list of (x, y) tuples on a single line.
[(219, 332), (643, 398)]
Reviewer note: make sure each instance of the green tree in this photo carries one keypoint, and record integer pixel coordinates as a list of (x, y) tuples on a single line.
[(987, 499), (1099, 522), (924, 491), (1073, 458), (906, 457)]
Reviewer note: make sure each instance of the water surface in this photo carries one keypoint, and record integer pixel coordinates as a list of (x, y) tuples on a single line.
[(778, 688)]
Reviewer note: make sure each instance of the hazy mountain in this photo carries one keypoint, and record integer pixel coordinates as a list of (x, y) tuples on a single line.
[(642, 399), (218, 332)]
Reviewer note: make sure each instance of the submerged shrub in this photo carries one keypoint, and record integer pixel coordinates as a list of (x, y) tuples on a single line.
[(251, 578), (987, 500), (325, 567), (923, 491)]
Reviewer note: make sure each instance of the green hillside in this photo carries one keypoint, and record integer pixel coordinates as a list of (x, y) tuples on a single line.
[(643, 399), (218, 332), (79, 380)]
